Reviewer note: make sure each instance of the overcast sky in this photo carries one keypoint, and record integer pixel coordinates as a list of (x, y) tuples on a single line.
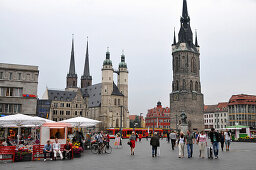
[(38, 32)]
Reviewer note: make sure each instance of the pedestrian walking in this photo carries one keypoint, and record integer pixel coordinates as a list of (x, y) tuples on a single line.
[(222, 140), (202, 142), (140, 137), (214, 136), (181, 143), (227, 135), (132, 142), (168, 137), (154, 142), (173, 139), (137, 136), (190, 140), (147, 136)]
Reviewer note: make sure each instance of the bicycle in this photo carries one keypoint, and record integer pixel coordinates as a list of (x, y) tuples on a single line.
[(95, 148)]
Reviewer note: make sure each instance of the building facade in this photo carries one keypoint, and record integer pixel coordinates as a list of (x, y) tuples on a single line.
[(105, 101), (18, 89), (158, 117), (137, 121), (242, 110), (186, 87), (216, 116)]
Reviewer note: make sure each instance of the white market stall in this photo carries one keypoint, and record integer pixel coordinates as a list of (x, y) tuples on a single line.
[(52, 130), (239, 131), (81, 122)]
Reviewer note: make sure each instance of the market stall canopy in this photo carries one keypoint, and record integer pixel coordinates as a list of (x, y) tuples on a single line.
[(56, 125), (236, 127), (20, 120), (81, 121)]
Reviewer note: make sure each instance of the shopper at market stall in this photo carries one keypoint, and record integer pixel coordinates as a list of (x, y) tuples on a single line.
[(47, 149), (56, 149)]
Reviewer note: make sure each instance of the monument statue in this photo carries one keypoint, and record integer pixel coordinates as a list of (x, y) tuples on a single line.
[(183, 117)]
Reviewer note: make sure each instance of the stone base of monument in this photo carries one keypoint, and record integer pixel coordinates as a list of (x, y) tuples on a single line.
[(184, 128)]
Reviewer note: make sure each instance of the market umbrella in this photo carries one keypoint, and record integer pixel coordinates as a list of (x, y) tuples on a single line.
[(81, 121), (21, 120)]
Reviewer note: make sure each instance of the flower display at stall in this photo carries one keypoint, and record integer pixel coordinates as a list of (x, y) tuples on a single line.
[(23, 154), (77, 149)]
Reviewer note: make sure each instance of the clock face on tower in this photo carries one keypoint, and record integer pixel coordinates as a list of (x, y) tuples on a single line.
[(176, 97)]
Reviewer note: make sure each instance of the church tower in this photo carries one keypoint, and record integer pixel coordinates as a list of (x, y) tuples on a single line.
[(86, 78), (72, 76), (106, 90), (186, 87), (122, 84)]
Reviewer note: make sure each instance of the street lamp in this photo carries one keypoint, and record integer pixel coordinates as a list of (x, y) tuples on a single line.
[(140, 120), (121, 123)]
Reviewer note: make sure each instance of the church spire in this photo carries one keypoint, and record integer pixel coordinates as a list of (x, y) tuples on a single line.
[(185, 33), (72, 76), (72, 60), (86, 64), (86, 78), (196, 43), (174, 38)]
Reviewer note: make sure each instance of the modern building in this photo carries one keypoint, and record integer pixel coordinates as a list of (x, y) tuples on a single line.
[(158, 117), (137, 121), (186, 87), (43, 108), (242, 110), (105, 101), (18, 89), (216, 116)]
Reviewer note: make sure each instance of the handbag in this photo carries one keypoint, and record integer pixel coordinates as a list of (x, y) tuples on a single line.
[(129, 143)]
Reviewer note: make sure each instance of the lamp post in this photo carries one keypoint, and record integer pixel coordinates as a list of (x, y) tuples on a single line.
[(121, 123), (140, 119)]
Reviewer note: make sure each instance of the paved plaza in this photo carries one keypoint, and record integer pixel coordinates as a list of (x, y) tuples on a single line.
[(242, 156)]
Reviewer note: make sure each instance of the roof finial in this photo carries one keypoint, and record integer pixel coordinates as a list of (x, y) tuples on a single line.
[(196, 42), (122, 51), (174, 38)]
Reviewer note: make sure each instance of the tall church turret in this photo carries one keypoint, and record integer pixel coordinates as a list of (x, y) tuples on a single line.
[(186, 87), (86, 78), (106, 90), (122, 83), (72, 76)]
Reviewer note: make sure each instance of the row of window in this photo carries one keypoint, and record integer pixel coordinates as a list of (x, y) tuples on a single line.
[(242, 117), (56, 105), (16, 76), (159, 120), (10, 108), (62, 112), (164, 127), (215, 121), (192, 87), (11, 91), (242, 108), (244, 123), (179, 63)]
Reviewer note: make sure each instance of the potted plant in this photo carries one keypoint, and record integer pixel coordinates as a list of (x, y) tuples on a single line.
[(77, 149)]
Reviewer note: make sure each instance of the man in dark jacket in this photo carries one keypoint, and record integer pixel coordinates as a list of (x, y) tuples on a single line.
[(215, 139), (154, 142)]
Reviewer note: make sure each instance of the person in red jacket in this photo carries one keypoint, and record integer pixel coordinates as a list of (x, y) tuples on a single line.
[(140, 137)]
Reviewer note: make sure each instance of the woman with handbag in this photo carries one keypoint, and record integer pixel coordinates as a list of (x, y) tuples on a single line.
[(132, 142)]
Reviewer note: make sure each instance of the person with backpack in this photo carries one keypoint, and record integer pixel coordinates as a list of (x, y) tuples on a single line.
[(202, 142), (181, 143), (215, 139), (227, 135), (154, 142)]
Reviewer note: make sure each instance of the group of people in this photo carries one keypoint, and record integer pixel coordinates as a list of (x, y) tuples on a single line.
[(54, 149), (189, 139)]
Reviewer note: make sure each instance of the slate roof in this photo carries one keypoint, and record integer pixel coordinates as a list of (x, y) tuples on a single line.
[(116, 91), (59, 95), (94, 93)]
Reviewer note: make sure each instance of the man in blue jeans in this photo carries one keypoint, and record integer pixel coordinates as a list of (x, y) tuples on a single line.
[(190, 140), (215, 139)]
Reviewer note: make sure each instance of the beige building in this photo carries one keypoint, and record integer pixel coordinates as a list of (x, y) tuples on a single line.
[(18, 89), (105, 101)]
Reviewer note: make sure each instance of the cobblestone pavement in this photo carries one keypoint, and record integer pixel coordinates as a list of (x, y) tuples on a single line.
[(242, 156)]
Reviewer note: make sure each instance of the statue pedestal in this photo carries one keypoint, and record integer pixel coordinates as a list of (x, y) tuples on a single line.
[(184, 128)]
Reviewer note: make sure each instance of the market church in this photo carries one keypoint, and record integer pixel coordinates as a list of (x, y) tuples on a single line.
[(105, 101)]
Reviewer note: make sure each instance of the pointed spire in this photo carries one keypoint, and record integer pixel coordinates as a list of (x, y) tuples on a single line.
[(196, 43), (185, 9), (122, 56), (72, 60), (174, 38), (86, 64)]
